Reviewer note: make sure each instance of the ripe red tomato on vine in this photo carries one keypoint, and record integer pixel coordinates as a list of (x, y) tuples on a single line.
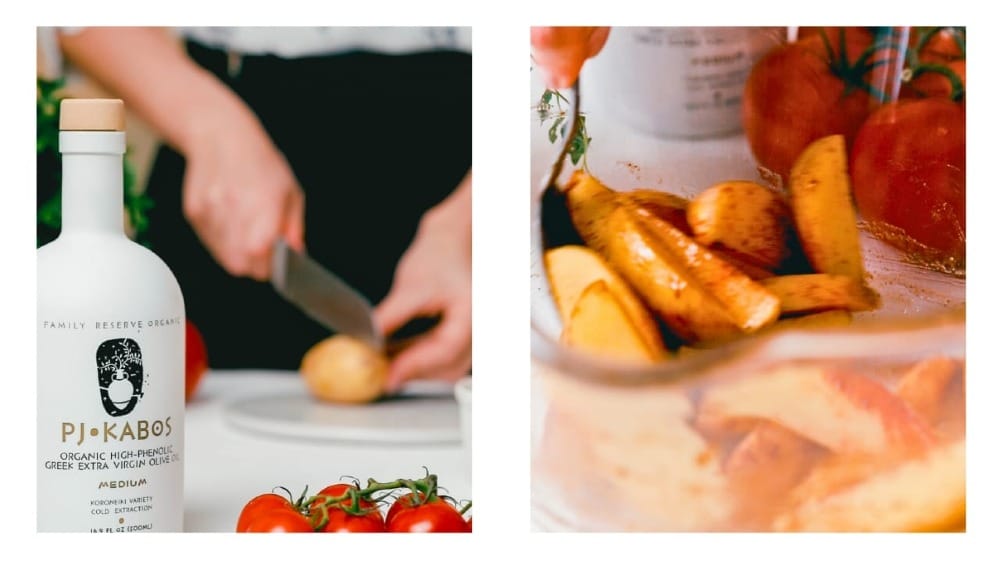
[(409, 513), (271, 513), (813, 87), (344, 516)]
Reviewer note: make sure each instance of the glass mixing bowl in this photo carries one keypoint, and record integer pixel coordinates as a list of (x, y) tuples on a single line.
[(848, 429)]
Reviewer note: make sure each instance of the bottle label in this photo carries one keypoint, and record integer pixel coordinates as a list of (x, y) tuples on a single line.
[(110, 424)]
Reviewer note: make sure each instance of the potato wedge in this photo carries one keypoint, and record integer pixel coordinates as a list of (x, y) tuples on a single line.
[(807, 293), (674, 209), (599, 324), (826, 319), (820, 193), (923, 386), (659, 277), (747, 218), (669, 207), (844, 411), (700, 296), (925, 494), (572, 268), (751, 306)]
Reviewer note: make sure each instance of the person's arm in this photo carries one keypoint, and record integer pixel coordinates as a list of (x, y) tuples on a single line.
[(434, 277), (561, 51), (239, 193)]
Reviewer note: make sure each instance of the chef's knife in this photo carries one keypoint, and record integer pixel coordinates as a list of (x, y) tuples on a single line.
[(322, 296)]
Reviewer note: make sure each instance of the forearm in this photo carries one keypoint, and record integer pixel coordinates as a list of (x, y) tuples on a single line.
[(147, 68)]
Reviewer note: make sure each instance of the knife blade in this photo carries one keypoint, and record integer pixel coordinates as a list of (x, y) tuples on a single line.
[(322, 296)]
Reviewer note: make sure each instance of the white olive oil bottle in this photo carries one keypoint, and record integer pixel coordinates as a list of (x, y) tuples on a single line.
[(110, 350)]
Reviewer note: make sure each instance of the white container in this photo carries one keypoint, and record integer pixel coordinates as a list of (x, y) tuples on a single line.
[(110, 351), (676, 82), (463, 394)]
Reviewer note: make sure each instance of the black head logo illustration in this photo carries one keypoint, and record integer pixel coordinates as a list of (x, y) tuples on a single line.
[(119, 375)]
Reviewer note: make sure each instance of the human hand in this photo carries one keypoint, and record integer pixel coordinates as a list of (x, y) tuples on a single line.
[(434, 277), (240, 195), (561, 51)]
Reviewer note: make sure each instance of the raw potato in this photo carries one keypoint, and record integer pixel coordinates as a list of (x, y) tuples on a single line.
[(822, 210), (745, 217), (820, 292), (572, 268), (343, 369), (600, 324)]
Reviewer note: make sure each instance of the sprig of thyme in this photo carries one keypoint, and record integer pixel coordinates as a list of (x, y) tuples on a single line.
[(550, 110)]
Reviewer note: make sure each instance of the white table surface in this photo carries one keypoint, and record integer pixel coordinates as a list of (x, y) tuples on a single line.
[(226, 466)]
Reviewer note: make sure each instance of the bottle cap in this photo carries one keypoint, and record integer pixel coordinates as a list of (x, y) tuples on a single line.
[(83, 114)]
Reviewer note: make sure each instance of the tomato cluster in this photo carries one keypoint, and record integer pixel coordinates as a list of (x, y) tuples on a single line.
[(898, 97), (347, 507)]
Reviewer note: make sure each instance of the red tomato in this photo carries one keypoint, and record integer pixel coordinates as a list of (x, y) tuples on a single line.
[(405, 502), (945, 45), (261, 503), (342, 521), (279, 520), (433, 516), (800, 92), (908, 170), (195, 359), (933, 84)]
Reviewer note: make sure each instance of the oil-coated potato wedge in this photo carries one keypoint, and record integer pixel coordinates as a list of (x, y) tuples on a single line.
[(751, 305), (826, 319), (924, 494), (820, 292), (846, 412), (820, 193), (669, 207), (924, 386), (674, 210), (745, 217), (659, 277), (698, 295), (572, 268), (599, 324)]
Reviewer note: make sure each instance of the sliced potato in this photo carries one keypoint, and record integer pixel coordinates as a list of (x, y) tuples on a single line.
[(824, 216), (826, 319), (661, 278), (751, 305), (669, 207), (820, 292), (844, 411), (572, 268), (924, 385), (925, 494), (745, 217), (599, 324)]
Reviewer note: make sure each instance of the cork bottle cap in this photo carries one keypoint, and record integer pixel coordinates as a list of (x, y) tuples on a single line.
[(81, 114)]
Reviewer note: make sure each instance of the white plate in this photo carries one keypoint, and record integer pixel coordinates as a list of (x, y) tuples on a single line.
[(421, 415)]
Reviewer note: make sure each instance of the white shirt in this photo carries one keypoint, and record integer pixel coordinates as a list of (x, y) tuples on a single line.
[(292, 42)]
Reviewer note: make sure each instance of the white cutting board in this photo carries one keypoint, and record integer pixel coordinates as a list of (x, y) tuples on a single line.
[(423, 413)]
